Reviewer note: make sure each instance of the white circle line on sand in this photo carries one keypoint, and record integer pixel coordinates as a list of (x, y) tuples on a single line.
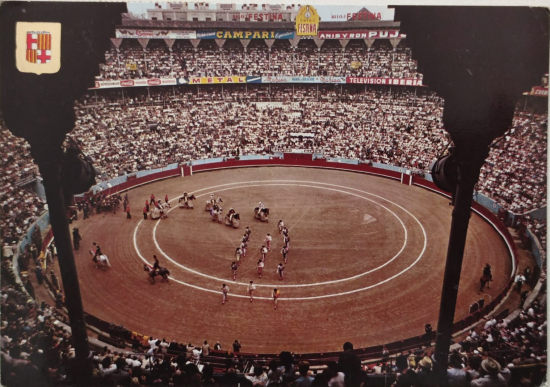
[(296, 298), (293, 285), (314, 297)]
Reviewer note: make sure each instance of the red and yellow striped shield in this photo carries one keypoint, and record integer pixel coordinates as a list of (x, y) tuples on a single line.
[(39, 46)]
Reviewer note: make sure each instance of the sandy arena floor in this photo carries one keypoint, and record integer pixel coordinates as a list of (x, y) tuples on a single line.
[(365, 265)]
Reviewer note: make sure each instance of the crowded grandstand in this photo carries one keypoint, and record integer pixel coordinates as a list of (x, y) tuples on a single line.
[(177, 100)]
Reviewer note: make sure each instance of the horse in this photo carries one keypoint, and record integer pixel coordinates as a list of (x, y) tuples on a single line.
[(187, 201), (211, 203), (262, 214), (155, 213), (484, 280), (162, 271), (103, 261), (233, 220), (218, 216)]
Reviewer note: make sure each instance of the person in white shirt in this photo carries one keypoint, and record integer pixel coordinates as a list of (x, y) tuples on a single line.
[(164, 346), (280, 225), (106, 366), (268, 240), (196, 354), (264, 251), (152, 345), (519, 282), (225, 291), (133, 362), (490, 323), (147, 363), (251, 287), (260, 268), (258, 378), (336, 378)]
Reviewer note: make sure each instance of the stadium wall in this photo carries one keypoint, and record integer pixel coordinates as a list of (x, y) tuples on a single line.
[(536, 247), (43, 224), (305, 160)]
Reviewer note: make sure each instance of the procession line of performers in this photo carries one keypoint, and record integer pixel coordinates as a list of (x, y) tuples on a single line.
[(275, 294), (240, 252), (214, 206)]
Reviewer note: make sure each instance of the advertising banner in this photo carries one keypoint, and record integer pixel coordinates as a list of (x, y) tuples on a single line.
[(365, 34), (155, 34), (211, 80), (303, 79), (539, 91), (238, 34), (385, 81), (258, 79), (361, 15), (25, 181), (167, 81), (135, 83), (253, 79), (106, 84), (307, 21), (256, 16)]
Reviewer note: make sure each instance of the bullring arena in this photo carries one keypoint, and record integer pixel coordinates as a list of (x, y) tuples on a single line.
[(365, 264), (352, 130)]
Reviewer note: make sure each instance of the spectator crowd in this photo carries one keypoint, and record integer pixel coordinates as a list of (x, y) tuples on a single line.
[(157, 60), (515, 172), (19, 207), (37, 350), (396, 128)]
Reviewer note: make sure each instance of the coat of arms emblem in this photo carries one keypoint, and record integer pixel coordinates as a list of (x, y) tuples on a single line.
[(39, 47)]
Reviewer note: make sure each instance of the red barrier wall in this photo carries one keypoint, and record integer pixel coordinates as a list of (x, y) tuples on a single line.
[(319, 163), (47, 238), (144, 179)]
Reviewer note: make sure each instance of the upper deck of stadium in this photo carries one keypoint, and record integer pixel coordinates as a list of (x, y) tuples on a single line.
[(253, 17)]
